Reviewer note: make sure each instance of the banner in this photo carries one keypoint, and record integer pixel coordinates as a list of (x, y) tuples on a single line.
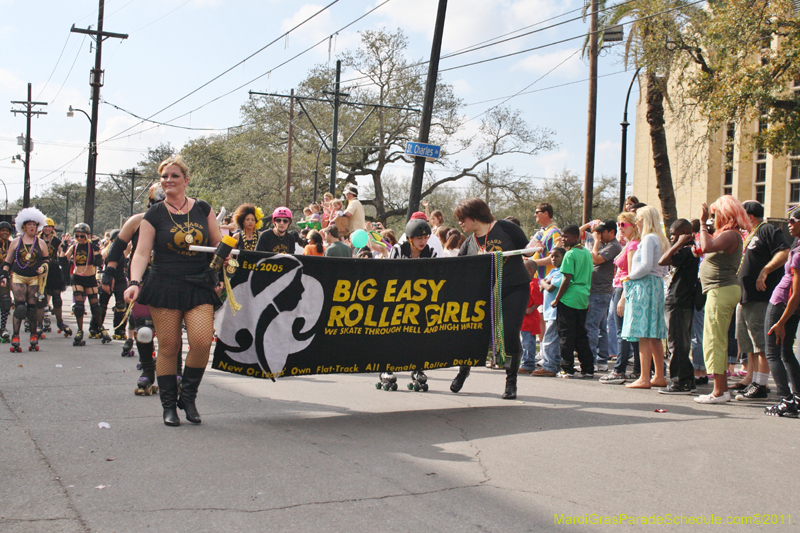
[(304, 315)]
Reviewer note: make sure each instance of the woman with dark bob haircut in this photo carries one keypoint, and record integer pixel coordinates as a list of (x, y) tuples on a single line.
[(490, 235), (248, 218)]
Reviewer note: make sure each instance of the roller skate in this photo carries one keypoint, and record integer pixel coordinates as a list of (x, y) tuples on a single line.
[(419, 381), (46, 325), (118, 337), (27, 326), (388, 381), (34, 343), (40, 333), (63, 328), (146, 385), (5, 336), (93, 333), (104, 336), (15, 344), (78, 340), (127, 349)]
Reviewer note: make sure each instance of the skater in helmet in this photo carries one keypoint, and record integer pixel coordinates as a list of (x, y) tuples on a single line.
[(113, 281), (55, 280), (491, 235), (86, 257), (6, 229), (279, 239), (180, 287), (418, 232), (27, 262)]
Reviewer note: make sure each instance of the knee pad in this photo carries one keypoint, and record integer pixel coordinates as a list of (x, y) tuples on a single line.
[(94, 306), (5, 303), (78, 309), (57, 302), (144, 331), (20, 310), (41, 301)]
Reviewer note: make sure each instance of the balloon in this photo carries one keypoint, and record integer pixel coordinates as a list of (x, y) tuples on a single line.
[(359, 238)]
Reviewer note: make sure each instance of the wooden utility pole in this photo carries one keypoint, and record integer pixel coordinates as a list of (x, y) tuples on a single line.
[(28, 145), (427, 109), (588, 178), (95, 81), (289, 148)]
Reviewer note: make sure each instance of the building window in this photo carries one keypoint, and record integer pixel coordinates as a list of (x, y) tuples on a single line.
[(727, 164), (761, 193), (794, 179)]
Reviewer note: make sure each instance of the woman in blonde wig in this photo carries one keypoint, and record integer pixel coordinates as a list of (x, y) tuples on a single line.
[(718, 275), (644, 298)]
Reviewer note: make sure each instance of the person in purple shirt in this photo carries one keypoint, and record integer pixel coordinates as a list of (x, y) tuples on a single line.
[(781, 326)]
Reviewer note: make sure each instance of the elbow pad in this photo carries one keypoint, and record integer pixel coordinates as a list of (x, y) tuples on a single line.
[(116, 251), (97, 260)]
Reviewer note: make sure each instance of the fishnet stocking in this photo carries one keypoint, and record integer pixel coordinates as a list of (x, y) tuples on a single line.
[(199, 331), (27, 294)]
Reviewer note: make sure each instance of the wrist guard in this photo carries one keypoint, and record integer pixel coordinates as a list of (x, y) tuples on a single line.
[(108, 276)]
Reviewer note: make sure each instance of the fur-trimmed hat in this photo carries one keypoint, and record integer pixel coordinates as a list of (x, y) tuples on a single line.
[(30, 214)]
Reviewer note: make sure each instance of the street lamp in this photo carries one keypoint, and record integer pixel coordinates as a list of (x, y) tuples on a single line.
[(623, 175), (88, 215)]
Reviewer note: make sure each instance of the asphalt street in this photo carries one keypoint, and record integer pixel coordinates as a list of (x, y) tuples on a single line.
[(331, 453)]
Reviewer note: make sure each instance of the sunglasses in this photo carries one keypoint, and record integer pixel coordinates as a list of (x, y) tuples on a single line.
[(538, 212), (281, 220), (80, 236), (623, 224), (792, 220)]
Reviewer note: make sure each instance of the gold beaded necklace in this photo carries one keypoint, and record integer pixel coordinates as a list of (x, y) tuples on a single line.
[(189, 238)]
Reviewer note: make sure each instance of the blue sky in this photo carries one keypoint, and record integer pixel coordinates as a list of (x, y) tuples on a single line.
[(175, 46)]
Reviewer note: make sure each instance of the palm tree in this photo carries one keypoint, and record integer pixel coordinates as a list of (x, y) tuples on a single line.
[(652, 22)]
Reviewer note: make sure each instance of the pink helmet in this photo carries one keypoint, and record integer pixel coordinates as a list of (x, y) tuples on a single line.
[(282, 212)]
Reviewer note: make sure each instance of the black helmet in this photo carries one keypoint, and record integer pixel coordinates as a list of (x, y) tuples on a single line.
[(7, 225), (82, 227), (113, 235), (418, 228)]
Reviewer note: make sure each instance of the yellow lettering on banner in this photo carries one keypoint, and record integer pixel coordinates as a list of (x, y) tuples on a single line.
[(368, 318), (336, 316), (451, 315), (405, 291), (432, 312), (388, 296), (480, 314), (435, 288), (370, 293), (382, 323), (410, 314), (351, 321), (355, 291), (342, 291), (419, 288), (397, 314)]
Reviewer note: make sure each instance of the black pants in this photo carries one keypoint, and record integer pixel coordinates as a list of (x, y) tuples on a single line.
[(574, 338), (782, 362), (679, 341)]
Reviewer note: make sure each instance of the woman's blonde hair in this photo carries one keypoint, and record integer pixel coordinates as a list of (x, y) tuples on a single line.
[(630, 218), (651, 223), (174, 160), (729, 214)]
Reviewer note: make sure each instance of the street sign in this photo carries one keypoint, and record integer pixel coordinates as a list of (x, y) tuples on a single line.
[(428, 151)]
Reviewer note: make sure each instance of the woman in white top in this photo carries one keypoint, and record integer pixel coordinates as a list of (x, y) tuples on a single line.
[(644, 299)]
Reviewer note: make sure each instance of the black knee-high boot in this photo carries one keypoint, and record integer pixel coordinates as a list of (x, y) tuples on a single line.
[(168, 386), (189, 384), (461, 377), (511, 378)]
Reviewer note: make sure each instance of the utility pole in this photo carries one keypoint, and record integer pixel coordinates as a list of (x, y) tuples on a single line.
[(133, 175), (588, 179), (28, 145), (66, 213), (427, 109), (289, 148), (95, 81), (334, 138)]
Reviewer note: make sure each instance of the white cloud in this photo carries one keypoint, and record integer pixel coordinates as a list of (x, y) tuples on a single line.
[(461, 87), (551, 164), (607, 151)]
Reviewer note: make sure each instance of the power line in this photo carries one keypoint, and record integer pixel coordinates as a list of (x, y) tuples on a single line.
[(226, 71), (77, 55), (161, 17), (172, 125), (69, 34)]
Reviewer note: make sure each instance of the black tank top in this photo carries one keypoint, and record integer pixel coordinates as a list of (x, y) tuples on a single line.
[(27, 259), (52, 246), (171, 252), (82, 256)]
